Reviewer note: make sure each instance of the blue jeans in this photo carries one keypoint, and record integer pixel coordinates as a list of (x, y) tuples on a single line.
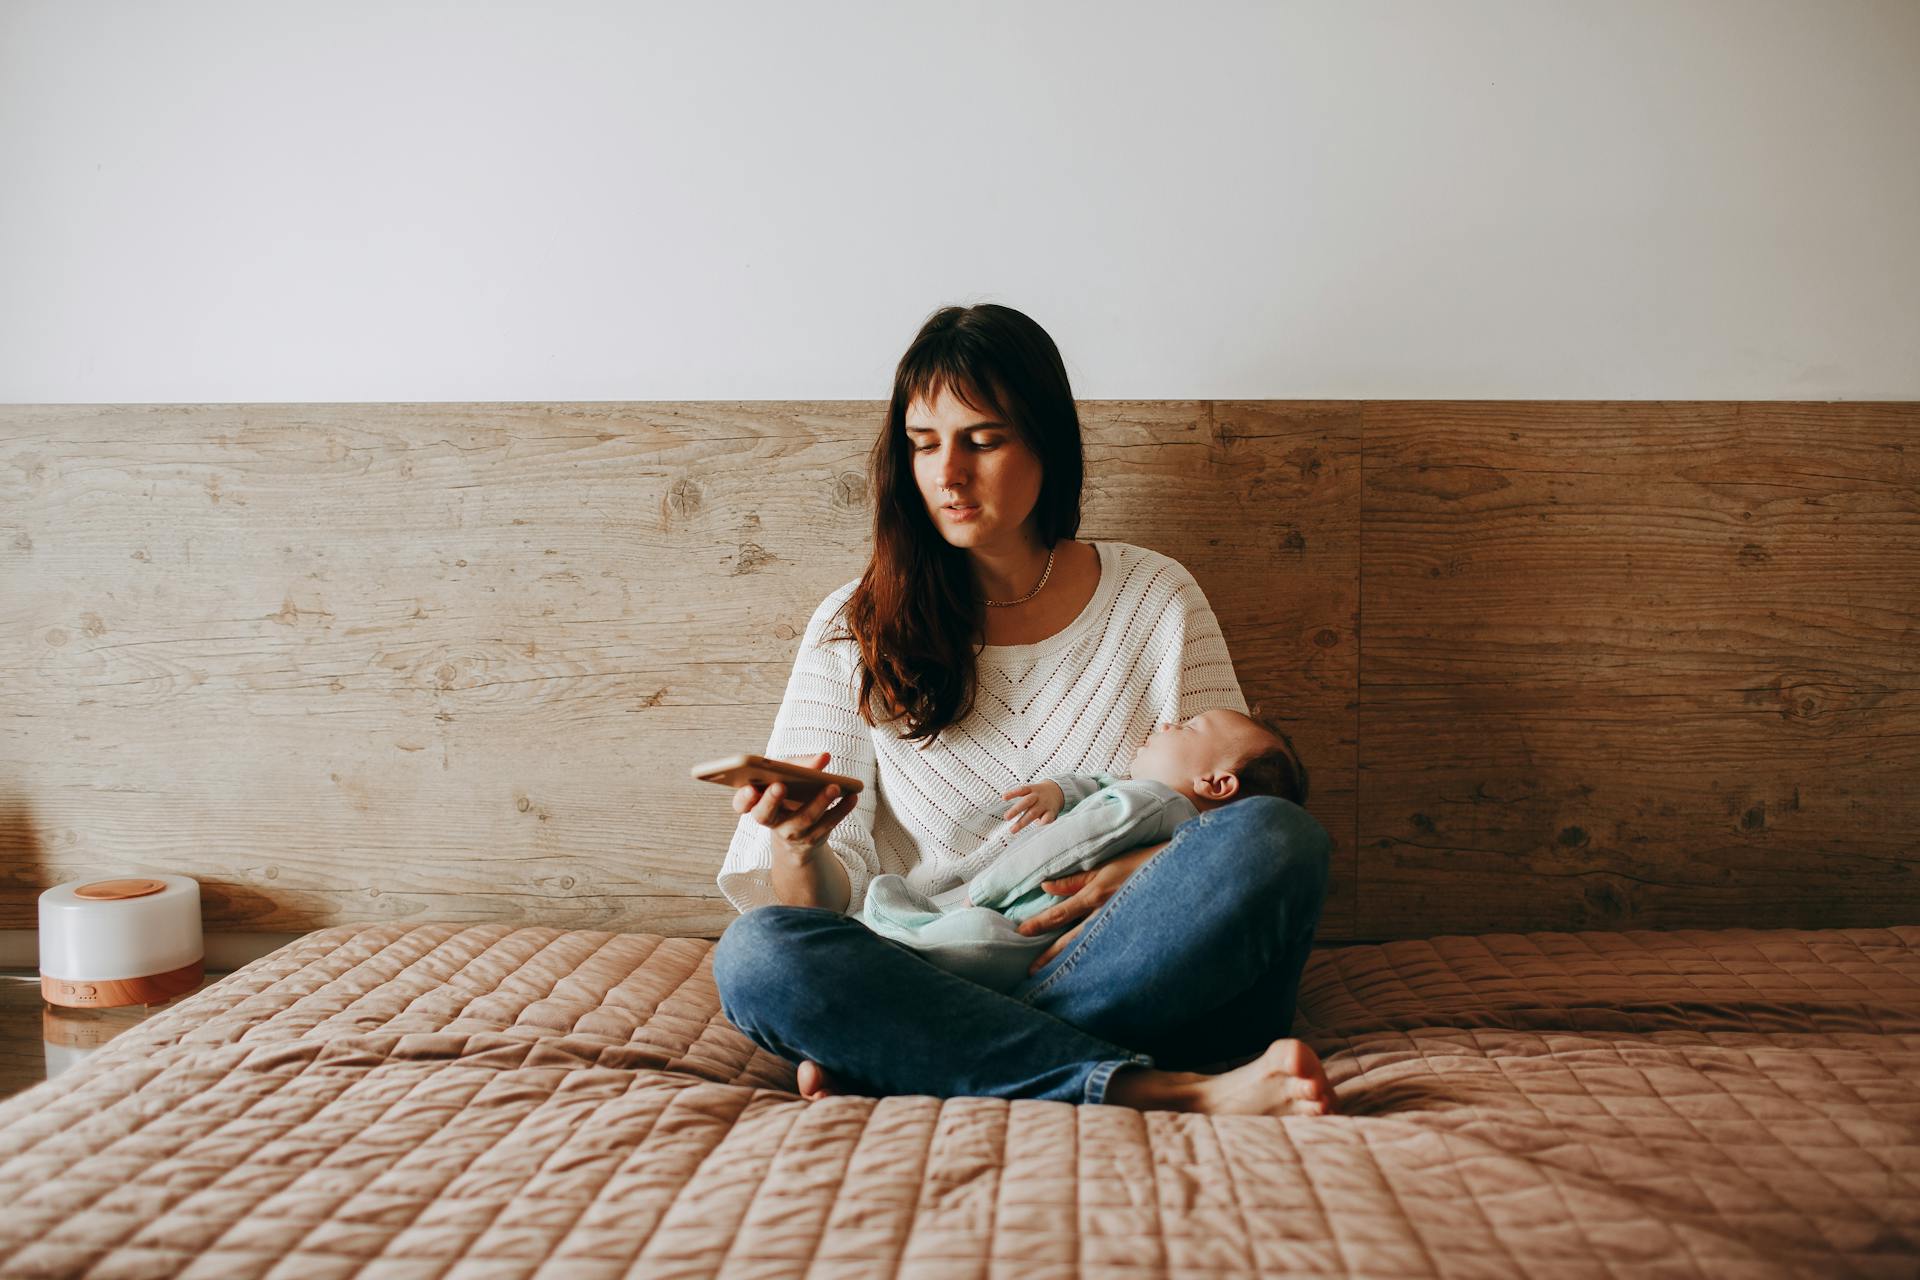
[(1194, 962)]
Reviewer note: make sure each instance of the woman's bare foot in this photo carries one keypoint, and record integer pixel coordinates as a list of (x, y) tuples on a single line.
[(814, 1082), (1286, 1080)]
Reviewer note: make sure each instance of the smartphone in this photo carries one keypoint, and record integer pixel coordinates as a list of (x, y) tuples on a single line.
[(800, 782)]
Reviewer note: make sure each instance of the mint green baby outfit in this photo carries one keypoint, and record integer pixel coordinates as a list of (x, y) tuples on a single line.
[(1102, 816)]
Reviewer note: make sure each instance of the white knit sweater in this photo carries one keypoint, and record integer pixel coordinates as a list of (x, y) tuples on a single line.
[(1146, 648)]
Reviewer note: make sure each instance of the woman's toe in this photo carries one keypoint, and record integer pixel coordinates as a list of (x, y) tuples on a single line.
[(813, 1081)]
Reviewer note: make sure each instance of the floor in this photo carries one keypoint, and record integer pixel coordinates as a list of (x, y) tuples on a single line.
[(38, 1041)]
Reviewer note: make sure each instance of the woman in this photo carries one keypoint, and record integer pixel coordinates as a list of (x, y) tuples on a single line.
[(985, 647)]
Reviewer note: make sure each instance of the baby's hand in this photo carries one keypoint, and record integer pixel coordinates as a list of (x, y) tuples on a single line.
[(1038, 802)]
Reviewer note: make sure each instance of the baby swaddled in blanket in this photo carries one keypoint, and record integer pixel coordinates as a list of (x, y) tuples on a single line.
[(1079, 822)]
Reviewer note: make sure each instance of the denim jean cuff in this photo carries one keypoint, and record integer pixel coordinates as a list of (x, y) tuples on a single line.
[(1096, 1088)]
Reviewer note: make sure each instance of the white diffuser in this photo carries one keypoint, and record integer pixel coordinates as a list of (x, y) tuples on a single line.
[(106, 943)]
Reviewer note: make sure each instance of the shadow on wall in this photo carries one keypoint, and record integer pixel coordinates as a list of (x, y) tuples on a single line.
[(29, 866), (22, 854)]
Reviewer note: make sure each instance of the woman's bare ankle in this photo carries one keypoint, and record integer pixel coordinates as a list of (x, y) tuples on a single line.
[(1148, 1089)]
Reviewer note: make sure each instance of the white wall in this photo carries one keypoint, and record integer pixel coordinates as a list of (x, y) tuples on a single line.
[(204, 200)]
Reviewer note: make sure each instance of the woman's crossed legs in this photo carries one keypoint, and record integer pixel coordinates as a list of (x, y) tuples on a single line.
[(1196, 960)]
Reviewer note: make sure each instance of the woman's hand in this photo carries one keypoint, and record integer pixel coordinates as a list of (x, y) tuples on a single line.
[(1087, 891), (797, 826), (1036, 802)]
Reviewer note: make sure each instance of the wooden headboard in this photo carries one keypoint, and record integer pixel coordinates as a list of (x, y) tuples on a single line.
[(1553, 665)]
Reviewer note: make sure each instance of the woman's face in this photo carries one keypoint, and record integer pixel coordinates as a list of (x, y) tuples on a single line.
[(963, 457)]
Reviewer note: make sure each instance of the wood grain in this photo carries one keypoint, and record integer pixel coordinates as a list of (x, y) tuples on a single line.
[(349, 663), (1639, 666), (114, 993), (1552, 664)]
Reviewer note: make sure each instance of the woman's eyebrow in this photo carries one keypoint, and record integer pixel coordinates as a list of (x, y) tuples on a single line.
[(972, 426)]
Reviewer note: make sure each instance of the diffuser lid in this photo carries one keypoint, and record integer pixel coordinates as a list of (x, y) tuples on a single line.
[(112, 890)]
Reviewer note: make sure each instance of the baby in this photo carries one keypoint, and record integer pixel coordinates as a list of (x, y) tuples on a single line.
[(1082, 821), (1217, 756)]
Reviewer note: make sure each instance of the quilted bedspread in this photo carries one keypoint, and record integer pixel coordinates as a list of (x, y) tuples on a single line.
[(449, 1101)]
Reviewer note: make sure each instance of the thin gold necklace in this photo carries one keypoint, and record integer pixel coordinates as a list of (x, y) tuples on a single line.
[(1001, 604)]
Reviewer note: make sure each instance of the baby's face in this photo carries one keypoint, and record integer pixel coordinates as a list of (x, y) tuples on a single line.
[(1212, 742)]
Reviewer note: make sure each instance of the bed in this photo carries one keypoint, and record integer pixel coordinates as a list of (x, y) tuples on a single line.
[(492, 1101)]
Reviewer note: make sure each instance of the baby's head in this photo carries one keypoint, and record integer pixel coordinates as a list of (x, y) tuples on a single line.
[(1221, 755)]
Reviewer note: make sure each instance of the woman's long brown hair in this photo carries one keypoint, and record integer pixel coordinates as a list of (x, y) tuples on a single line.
[(918, 612)]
